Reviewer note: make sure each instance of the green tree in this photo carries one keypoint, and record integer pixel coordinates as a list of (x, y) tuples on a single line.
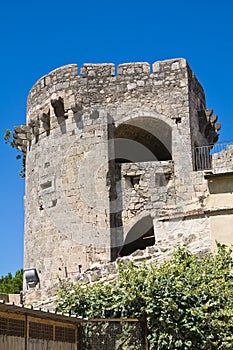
[(187, 301), (10, 284)]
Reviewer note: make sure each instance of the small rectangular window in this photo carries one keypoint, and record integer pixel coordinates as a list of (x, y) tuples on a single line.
[(132, 181)]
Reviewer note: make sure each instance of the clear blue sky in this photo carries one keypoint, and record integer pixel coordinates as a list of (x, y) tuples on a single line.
[(39, 36)]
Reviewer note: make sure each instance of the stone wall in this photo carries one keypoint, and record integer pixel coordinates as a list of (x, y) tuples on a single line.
[(98, 84), (107, 273), (223, 161), (147, 187)]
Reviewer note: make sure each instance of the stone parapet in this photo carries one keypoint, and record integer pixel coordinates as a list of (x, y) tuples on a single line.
[(135, 69), (131, 79), (97, 70)]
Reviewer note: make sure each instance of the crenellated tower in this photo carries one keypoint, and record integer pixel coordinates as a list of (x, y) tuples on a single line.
[(109, 161)]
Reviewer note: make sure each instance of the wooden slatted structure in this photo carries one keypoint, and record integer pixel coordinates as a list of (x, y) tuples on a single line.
[(28, 329), (24, 328)]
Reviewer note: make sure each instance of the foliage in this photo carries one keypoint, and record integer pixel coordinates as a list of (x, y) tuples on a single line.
[(188, 301), (10, 284), (114, 335), (9, 140)]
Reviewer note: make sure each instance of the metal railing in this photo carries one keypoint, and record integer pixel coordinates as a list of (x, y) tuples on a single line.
[(203, 155)]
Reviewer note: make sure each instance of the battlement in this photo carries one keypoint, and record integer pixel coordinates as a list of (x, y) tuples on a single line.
[(136, 69), (106, 83), (103, 70), (97, 70), (167, 87), (90, 70)]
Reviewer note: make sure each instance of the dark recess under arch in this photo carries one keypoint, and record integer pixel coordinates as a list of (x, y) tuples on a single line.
[(134, 143), (140, 236)]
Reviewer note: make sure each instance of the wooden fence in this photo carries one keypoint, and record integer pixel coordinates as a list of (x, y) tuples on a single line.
[(24, 332), (29, 329)]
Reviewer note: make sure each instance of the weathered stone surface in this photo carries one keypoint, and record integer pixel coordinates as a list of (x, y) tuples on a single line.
[(110, 167)]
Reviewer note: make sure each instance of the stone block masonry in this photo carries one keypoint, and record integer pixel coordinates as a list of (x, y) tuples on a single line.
[(109, 165)]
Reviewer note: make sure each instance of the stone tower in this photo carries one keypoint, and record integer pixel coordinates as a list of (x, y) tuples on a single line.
[(110, 163)]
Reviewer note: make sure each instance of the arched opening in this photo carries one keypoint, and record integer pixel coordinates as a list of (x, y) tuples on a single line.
[(140, 236), (142, 140)]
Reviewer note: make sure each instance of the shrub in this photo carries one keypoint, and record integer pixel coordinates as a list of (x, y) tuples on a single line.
[(187, 301)]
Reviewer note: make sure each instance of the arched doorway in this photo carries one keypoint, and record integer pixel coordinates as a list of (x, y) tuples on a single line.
[(140, 139), (140, 236)]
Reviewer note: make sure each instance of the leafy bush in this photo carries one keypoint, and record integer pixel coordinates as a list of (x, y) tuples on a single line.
[(10, 284), (188, 301)]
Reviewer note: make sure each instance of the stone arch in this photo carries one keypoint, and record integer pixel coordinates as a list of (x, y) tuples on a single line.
[(143, 139), (140, 236)]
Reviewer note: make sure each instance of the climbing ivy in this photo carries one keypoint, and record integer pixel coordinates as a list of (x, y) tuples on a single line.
[(187, 301), (9, 140)]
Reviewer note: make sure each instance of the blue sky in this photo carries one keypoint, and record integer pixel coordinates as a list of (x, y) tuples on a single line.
[(39, 36)]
